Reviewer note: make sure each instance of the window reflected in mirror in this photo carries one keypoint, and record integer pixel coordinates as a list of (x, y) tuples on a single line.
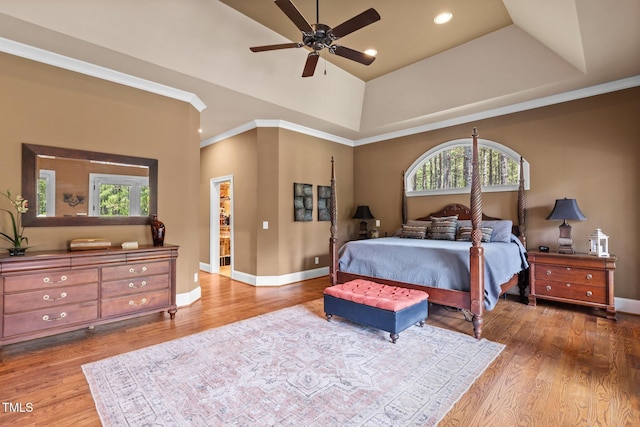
[(75, 187)]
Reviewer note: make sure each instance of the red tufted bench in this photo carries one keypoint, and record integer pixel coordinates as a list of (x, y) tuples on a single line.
[(389, 308)]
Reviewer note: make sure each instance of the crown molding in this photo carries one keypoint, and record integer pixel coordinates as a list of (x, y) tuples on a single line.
[(573, 95), (509, 109), (40, 55), (282, 124)]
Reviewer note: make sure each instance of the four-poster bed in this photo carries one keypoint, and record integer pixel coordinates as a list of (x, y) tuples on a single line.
[(481, 268)]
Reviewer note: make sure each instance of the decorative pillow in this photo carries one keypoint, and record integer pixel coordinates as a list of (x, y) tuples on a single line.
[(443, 228), (416, 223), (413, 232), (501, 229), (464, 234)]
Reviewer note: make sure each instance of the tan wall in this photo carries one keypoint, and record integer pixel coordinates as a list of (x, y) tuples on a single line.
[(586, 149), (307, 160), (236, 156), (265, 163), (49, 106)]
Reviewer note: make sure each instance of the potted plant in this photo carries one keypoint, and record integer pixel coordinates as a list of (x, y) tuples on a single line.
[(20, 206)]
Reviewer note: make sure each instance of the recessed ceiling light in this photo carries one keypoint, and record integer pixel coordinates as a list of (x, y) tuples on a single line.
[(443, 18), (200, 130), (371, 52)]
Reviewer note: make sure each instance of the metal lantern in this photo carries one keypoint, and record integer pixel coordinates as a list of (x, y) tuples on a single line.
[(599, 244)]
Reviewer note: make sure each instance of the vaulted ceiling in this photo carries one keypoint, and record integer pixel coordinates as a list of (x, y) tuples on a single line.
[(492, 55)]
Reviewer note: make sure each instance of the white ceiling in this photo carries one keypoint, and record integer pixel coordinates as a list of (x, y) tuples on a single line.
[(518, 51)]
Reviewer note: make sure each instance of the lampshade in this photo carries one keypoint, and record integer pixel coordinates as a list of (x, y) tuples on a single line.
[(363, 212), (566, 209)]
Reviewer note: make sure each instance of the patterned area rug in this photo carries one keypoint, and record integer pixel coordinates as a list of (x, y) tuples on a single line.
[(291, 368)]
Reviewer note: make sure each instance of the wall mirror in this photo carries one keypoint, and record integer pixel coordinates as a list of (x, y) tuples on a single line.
[(68, 187)]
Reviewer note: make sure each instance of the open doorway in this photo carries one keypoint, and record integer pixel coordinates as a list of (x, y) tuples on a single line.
[(221, 226)]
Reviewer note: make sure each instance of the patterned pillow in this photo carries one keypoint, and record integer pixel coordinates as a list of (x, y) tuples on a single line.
[(501, 229), (413, 232), (443, 228), (416, 223), (464, 233)]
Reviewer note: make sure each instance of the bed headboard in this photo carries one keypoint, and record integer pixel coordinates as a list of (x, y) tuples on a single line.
[(462, 211)]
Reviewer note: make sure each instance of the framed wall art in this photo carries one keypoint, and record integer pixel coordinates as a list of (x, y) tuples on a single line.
[(324, 203), (302, 202)]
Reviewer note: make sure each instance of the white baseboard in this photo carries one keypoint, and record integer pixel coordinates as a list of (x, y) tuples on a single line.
[(284, 279), (627, 305), (205, 267), (188, 298)]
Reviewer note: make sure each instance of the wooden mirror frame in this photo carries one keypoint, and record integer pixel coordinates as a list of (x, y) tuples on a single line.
[(30, 154)]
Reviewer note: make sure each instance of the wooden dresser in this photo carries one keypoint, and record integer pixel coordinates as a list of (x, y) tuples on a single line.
[(45, 293), (572, 278)]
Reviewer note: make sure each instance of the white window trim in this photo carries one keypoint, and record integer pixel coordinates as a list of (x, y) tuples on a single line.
[(463, 142), (135, 182), (49, 176)]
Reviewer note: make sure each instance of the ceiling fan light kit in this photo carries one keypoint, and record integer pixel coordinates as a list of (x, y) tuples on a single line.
[(320, 36)]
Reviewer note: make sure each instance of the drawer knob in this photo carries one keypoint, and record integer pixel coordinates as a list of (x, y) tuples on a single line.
[(46, 317), (589, 293), (548, 287), (568, 285), (548, 272), (133, 270), (142, 284), (48, 298), (589, 276), (48, 280), (143, 301)]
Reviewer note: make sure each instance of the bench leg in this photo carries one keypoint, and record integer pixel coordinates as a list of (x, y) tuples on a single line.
[(394, 337), (329, 316)]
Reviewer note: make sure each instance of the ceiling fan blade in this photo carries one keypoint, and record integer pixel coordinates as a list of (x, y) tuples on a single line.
[(275, 47), (310, 65), (367, 17), (294, 15), (354, 55)]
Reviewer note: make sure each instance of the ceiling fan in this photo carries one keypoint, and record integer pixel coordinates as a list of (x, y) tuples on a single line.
[(319, 36)]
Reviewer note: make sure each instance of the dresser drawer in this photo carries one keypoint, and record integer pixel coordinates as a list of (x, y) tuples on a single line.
[(55, 317), (52, 297), (592, 294), (134, 303), (48, 279), (128, 271), (134, 285), (579, 276)]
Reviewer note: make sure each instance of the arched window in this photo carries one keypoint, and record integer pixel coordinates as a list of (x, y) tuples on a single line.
[(446, 169)]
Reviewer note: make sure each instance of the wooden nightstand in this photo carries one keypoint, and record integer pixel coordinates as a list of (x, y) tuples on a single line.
[(572, 278)]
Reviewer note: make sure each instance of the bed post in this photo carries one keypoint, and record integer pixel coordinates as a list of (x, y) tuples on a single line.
[(476, 253), (523, 277), (522, 207), (333, 248), (404, 200)]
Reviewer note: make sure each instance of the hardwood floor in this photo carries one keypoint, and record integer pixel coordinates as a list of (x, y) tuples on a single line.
[(562, 365)]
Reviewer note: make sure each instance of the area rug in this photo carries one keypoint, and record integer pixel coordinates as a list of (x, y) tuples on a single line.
[(291, 368)]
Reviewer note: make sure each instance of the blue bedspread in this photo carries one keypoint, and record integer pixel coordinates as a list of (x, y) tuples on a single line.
[(435, 263)]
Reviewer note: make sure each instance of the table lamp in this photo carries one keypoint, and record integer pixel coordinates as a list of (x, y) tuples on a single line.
[(565, 209), (363, 213)]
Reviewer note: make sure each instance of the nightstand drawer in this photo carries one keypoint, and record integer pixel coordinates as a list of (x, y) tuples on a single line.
[(576, 276), (571, 291)]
